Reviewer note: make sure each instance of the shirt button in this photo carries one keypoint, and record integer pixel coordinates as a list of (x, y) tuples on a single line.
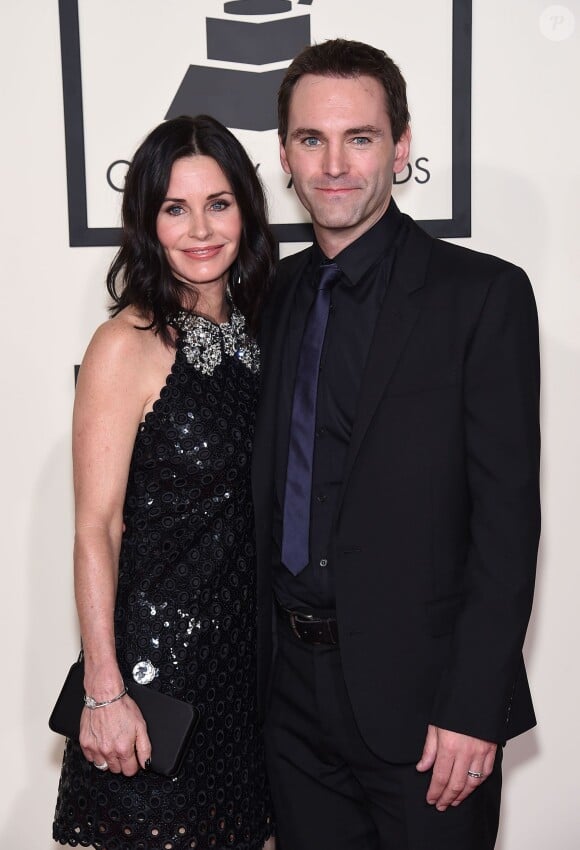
[(321, 498), (320, 432), (323, 562)]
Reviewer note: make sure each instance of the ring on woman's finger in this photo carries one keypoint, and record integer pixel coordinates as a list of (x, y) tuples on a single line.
[(103, 766), (474, 774)]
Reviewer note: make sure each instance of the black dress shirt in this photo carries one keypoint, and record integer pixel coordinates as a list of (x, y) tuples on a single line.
[(355, 303)]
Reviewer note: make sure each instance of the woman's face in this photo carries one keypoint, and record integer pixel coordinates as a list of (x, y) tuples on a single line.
[(199, 225)]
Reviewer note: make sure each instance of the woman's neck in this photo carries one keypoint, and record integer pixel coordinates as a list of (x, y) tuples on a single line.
[(210, 301)]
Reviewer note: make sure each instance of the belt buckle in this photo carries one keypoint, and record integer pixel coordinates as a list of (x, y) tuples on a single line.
[(293, 615), (333, 641)]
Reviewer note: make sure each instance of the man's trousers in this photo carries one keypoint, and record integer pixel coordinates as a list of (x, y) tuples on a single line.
[(331, 792)]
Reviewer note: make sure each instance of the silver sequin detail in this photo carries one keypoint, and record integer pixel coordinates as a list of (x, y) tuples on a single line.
[(204, 341), (144, 672)]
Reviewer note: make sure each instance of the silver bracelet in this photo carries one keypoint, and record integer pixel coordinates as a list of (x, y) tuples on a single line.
[(91, 702)]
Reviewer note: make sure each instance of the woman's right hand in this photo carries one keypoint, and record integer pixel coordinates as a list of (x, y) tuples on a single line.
[(115, 735)]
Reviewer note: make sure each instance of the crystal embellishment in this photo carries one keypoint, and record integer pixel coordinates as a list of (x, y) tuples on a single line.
[(144, 672), (205, 342)]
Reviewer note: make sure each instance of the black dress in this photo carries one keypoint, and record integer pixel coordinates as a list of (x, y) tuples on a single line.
[(185, 617)]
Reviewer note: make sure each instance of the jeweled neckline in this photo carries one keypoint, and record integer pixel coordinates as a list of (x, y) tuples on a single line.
[(204, 342), (185, 318)]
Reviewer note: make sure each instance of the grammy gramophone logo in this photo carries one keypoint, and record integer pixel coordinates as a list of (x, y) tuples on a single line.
[(250, 32), (127, 65)]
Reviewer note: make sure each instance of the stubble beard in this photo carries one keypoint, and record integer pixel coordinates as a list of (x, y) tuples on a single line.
[(336, 215)]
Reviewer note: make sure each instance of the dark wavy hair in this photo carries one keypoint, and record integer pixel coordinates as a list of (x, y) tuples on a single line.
[(342, 58), (140, 275)]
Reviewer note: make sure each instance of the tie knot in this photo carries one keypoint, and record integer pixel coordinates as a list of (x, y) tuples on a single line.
[(329, 274)]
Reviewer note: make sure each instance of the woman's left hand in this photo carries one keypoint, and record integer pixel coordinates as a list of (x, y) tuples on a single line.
[(115, 736)]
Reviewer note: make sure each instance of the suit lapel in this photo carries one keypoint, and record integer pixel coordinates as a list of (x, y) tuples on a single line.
[(395, 323)]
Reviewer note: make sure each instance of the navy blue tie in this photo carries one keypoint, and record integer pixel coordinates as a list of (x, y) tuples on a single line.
[(298, 488)]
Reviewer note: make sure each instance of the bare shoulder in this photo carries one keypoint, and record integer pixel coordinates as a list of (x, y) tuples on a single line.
[(125, 359), (119, 340), (125, 345)]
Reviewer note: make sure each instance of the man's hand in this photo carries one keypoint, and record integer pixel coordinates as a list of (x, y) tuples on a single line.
[(452, 755)]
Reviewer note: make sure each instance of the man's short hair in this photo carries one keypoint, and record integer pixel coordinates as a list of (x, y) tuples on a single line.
[(341, 58)]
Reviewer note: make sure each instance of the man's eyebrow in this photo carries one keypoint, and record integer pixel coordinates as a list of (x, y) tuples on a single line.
[(301, 132), (364, 130)]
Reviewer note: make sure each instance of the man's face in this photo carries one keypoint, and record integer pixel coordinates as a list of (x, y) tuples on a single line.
[(340, 153)]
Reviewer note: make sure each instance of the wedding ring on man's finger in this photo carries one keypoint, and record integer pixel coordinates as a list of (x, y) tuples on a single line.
[(474, 774), (103, 766)]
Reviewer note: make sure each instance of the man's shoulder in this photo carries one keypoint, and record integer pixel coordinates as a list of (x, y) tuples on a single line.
[(451, 261), (288, 270), (293, 263)]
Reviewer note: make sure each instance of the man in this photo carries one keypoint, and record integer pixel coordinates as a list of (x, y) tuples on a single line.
[(396, 490)]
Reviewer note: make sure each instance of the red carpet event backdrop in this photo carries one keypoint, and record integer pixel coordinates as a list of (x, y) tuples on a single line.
[(493, 89)]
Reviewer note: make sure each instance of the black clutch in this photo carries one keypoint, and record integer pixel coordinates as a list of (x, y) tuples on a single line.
[(170, 722)]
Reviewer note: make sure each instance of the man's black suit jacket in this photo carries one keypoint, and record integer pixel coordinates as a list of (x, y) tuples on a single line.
[(436, 531)]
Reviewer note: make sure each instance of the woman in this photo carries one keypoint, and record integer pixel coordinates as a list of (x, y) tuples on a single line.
[(164, 546)]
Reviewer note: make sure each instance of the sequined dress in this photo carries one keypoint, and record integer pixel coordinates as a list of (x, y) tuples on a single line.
[(185, 612)]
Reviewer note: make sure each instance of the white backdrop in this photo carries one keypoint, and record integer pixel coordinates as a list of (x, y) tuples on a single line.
[(526, 185)]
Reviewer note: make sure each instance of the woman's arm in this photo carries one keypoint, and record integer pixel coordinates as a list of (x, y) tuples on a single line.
[(110, 398)]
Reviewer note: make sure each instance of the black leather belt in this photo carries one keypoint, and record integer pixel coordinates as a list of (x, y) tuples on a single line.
[(309, 628)]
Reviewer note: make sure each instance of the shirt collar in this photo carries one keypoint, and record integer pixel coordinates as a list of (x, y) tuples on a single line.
[(358, 257)]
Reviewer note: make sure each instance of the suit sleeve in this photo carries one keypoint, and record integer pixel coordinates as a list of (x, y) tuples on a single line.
[(502, 438)]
